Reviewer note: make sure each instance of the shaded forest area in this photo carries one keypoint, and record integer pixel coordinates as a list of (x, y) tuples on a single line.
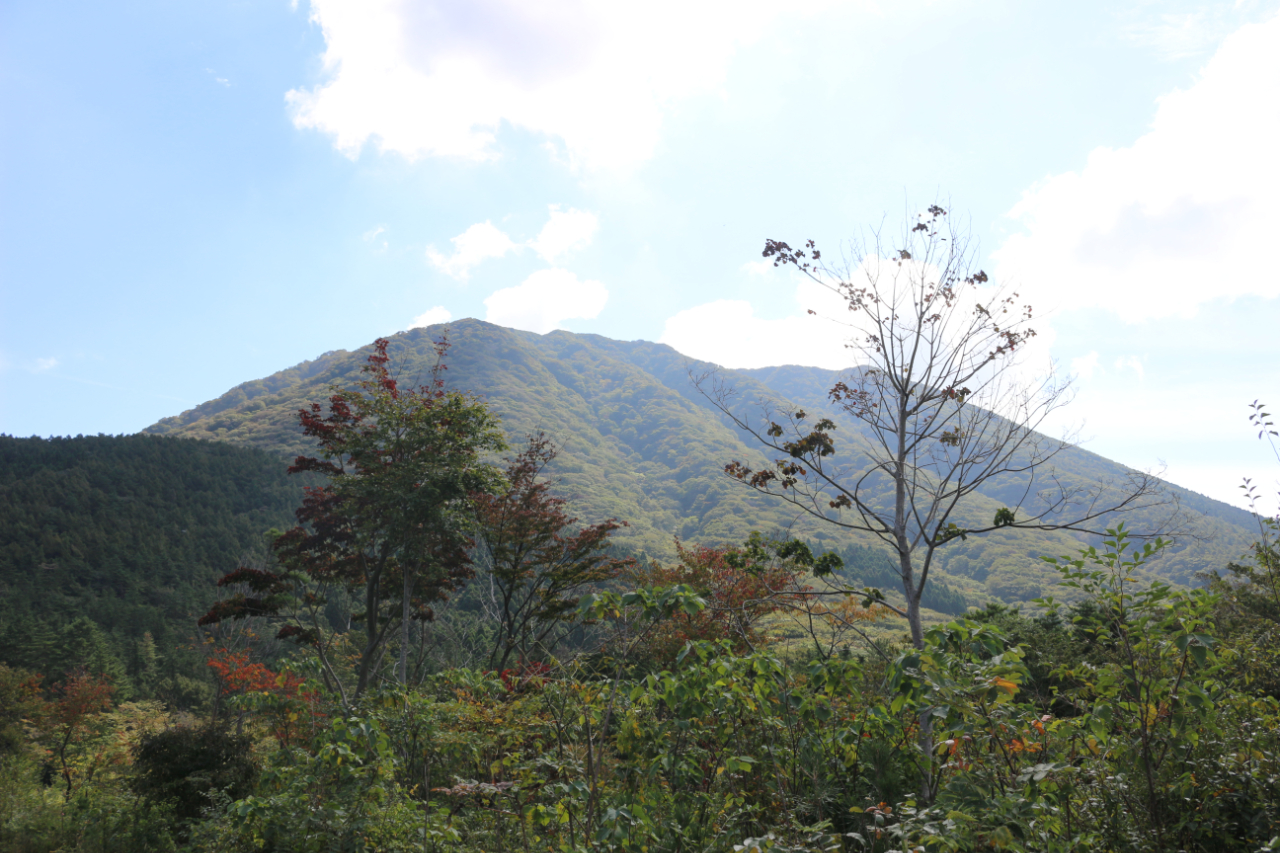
[(110, 546)]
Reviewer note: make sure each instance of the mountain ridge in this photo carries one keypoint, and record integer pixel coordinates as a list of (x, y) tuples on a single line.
[(639, 442)]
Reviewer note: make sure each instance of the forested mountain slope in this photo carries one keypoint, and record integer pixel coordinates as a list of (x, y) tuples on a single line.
[(639, 442), (106, 539)]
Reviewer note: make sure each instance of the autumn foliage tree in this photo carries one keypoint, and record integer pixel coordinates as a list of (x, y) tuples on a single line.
[(72, 720), (537, 561), (741, 586), (280, 699), (390, 528)]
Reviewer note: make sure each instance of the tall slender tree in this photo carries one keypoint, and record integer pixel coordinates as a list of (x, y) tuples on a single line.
[(941, 408), (943, 411)]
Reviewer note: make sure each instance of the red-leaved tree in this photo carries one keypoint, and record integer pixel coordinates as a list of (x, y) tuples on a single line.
[(536, 559), (73, 719), (390, 528), (282, 699)]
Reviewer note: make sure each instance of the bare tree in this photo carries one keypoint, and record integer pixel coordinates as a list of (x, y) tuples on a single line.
[(943, 405)]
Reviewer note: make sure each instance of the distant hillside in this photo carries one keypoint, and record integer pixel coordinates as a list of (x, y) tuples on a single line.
[(128, 535), (642, 444)]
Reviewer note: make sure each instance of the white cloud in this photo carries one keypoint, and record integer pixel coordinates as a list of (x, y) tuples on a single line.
[(762, 267), (565, 231), (43, 364), (1176, 36), (1182, 216), (727, 332), (439, 78), (1222, 482), (1179, 35), (544, 300), (431, 317), (1133, 363), (478, 243), (1085, 366)]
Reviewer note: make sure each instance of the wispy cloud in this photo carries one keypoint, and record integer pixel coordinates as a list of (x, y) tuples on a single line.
[(371, 236), (1085, 366), (1132, 362), (1180, 35), (566, 231), (764, 266)]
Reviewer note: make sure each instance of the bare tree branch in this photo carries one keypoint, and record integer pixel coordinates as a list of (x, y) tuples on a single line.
[(942, 405)]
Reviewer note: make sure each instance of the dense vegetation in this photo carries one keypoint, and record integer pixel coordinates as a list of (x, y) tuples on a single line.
[(1141, 719), (437, 656), (110, 547)]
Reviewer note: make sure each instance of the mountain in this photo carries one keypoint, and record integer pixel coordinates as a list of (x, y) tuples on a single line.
[(641, 443)]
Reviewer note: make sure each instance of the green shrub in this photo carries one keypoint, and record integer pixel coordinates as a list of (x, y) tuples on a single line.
[(185, 765)]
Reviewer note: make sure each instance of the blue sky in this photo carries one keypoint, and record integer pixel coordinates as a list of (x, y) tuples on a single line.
[(194, 195)]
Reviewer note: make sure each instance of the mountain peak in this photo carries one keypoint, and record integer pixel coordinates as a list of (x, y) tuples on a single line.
[(639, 442)]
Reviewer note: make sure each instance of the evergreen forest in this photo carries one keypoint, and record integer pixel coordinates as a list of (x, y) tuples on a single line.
[(108, 545)]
